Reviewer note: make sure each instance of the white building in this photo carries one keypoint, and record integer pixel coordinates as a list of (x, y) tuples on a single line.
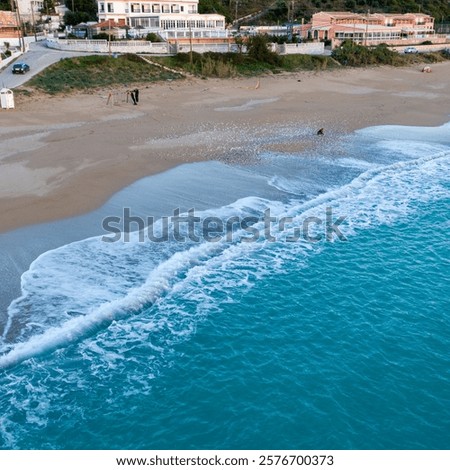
[(29, 9), (32, 11), (174, 16)]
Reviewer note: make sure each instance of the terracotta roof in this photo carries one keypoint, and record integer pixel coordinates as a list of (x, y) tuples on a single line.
[(8, 19), (107, 23)]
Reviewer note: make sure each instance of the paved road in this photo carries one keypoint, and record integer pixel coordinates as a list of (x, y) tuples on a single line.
[(38, 58)]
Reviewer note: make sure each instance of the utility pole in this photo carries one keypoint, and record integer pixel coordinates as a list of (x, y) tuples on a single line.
[(20, 25), (32, 3), (291, 6), (367, 28), (191, 59), (109, 36)]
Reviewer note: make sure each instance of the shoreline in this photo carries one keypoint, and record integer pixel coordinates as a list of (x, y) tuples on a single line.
[(156, 196), (66, 156)]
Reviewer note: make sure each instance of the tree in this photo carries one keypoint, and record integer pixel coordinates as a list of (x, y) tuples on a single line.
[(49, 7), (152, 37), (86, 6), (5, 5), (257, 49), (74, 18), (214, 6)]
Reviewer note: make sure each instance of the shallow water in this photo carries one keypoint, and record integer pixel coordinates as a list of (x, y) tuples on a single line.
[(325, 326)]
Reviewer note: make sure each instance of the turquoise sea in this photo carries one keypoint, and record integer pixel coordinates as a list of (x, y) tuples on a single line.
[(326, 326)]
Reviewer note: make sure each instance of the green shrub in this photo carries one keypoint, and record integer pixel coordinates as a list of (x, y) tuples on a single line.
[(257, 49), (213, 66), (152, 37), (185, 57), (383, 55), (306, 62), (101, 36), (432, 57), (356, 55)]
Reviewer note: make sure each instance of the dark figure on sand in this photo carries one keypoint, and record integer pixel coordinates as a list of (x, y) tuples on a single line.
[(320, 131), (134, 96)]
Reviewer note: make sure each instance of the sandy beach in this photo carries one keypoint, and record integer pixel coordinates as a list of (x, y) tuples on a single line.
[(203, 271), (64, 156)]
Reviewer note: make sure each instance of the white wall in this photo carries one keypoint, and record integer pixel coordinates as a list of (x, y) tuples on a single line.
[(135, 47), (311, 48), (14, 42), (6, 62)]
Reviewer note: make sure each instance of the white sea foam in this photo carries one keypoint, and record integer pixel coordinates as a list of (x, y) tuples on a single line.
[(295, 186), (355, 163), (157, 283), (207, 285), (408, 133), (108, 315), (85, 290)]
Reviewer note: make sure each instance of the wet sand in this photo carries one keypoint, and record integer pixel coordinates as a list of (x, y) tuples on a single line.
[(65, 156)]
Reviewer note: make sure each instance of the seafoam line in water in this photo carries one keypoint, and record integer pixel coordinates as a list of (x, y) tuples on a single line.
[(366, 200), (158, 282)]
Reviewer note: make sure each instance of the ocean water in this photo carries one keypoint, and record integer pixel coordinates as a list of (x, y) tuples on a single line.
[(320, 319)]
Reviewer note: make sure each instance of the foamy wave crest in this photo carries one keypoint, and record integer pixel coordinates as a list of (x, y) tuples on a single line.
[(59, 303), (383, 195), (79, 327), (380, 196)]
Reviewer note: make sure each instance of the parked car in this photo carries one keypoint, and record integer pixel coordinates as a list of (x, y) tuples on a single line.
[(411, 50), (20, 68)]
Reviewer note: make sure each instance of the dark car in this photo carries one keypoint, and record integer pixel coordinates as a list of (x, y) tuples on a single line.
[(20, 68)]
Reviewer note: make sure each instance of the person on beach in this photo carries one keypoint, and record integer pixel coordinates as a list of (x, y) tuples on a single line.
[(133, 97)]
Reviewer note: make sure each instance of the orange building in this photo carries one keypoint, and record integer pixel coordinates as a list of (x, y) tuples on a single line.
[(370, 28), (8, 25)]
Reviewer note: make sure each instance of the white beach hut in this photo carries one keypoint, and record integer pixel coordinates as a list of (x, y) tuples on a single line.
[(6, 98)]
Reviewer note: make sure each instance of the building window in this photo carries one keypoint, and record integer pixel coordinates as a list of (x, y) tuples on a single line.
[(102, 7), (146, 8), (135, 8), (166, 8), (110, 7), (156, 8), (175, 9), (168, 24)]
